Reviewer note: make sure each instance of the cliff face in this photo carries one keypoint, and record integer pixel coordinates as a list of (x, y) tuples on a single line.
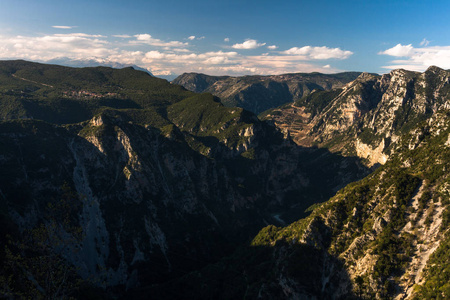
[(368, 113), (390, 229), (383, 237), (260, 93)]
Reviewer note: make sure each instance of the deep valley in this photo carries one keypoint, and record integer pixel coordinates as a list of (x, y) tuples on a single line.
[(118, 184)]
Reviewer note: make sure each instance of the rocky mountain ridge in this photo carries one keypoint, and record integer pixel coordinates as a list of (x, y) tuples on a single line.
[(260, 93), (367, 117), (393, 221)]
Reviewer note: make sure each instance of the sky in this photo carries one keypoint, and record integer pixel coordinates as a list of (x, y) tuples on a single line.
[(244, 37)]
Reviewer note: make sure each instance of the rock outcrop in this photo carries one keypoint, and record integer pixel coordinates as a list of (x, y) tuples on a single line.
[(367, 116)]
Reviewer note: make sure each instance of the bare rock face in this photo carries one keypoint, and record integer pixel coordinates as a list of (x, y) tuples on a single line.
[(373, 156), (355, 100), (367, 116)]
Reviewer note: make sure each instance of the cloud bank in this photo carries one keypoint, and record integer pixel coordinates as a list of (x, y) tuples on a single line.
[(146, 38), (316, 53), (168, 56), (418, 59)]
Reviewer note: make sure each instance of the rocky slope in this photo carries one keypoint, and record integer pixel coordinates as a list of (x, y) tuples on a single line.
[(390, 229), (384, 237), (260, 93), (133, 181), (369, 115)]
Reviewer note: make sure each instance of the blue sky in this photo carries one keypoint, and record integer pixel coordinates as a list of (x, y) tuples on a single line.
[(231, 37)]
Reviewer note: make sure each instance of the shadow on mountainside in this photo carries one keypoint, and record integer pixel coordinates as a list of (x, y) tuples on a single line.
[(161, 208), (325, 173), (283, 271)]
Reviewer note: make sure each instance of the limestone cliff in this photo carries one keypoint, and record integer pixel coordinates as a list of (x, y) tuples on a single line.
[(368, 113)]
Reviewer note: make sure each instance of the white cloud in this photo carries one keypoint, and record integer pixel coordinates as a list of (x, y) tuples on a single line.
[(125, 57), (160, 57), (217, 60), (63, 27), (272, 47), (279, 64), (398, 50), (313, 53), (424, 42), (193, 37), (82, 35), (180, 50), (146, 38), (214, 53), (405, 65), (248, 44), (75, 45), (154, 55), (327, 67), (226, 40), (418, 59), (178, 63), (143, 37), (123, 36)]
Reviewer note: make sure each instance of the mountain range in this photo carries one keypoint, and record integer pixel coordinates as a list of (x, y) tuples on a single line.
[(115, 183), (260, 93), (383, 237)]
